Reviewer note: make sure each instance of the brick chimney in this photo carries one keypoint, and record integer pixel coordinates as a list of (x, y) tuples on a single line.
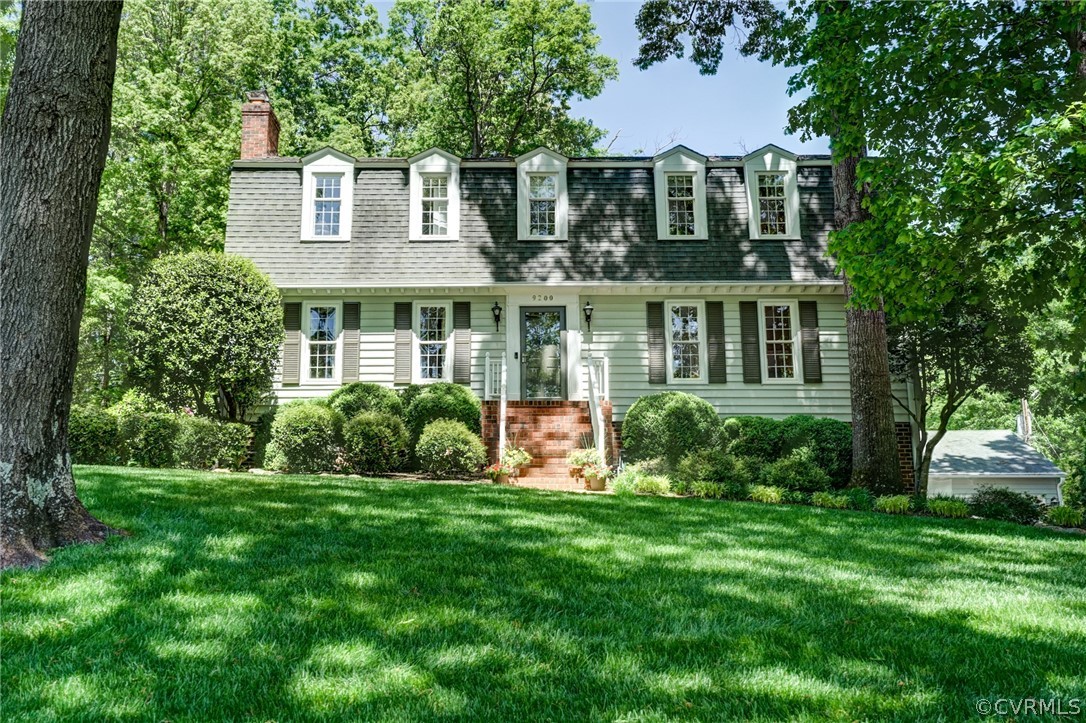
[(259, 127)]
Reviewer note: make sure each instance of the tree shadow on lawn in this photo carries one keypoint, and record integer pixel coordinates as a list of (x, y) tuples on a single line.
[(300, 598)]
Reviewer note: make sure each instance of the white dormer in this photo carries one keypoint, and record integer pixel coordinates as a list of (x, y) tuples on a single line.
[(327, 196), (542, 200), (435, 196), (772, 193), (679, 176)]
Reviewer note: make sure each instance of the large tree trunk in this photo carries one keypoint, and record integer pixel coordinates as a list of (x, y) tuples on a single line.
[(53, 139), (874, 439)]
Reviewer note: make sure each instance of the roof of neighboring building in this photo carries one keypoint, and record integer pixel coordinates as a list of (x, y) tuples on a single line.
[(989, 452)]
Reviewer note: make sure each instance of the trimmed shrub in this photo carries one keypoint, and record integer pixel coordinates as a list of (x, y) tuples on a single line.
[(375, 443), (893, 504), (443, 400), (635, 480), (93, 436), (205, 443), (304, 438), (713, 465), (1064, 516), (358, 397), (409, 393), (1000, 503), (948, 507), (449, 447), (829, 440), (796, 472), (830, 500), (767, 494), (758, 437), (669, 425), (149, 438), (262, 437)]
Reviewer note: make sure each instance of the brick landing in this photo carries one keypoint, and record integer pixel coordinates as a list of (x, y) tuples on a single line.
[(548, 431)]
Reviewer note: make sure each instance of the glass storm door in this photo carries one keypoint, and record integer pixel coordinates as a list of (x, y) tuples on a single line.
[(541, 353)]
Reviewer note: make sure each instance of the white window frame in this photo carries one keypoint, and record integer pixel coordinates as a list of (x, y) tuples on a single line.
[(303, 376), (327, 162), (797, 345), (680, 160), (703, 342), (538, 162), (416, 341), (434, 162), (772, 159)]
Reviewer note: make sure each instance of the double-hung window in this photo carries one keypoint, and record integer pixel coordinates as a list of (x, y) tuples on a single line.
[(679, 183), (680, 204), (543, 204), (322, 341), (687, 341), (432, 326), (772, 208), (327, 201), (327, 196), (435, 205), (779, 340)]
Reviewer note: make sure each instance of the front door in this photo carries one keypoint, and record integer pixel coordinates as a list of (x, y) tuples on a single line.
[(542, 356)]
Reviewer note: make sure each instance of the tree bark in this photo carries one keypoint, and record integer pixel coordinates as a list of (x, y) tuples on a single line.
[(874, 438), (53, 139)]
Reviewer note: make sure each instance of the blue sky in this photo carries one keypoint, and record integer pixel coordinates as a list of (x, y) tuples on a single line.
[(743, 107)]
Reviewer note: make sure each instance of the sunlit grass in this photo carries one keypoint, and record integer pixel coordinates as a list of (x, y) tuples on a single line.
[(296, 598)]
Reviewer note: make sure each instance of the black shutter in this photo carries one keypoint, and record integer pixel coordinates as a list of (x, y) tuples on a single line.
[(654, 320), (812, 347), (401, 314), (292, 342), (714, 321), (352, 312), (748, 335), (462, 342)]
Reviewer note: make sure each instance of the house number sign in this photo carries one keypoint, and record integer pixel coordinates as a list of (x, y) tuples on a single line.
[(542, 297)]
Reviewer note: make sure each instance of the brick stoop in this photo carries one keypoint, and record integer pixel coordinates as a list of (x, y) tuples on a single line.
[(548, 431)]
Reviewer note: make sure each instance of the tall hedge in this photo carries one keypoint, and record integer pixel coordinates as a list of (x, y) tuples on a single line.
[(669, 425)]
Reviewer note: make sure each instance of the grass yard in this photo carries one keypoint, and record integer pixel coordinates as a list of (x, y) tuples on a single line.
[(301, 598)]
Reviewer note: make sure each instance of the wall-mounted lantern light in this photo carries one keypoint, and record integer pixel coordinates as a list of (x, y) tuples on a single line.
[(497, 311), (588, 309)]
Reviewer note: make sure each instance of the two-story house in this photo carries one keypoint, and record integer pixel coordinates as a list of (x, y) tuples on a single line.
[(547, 276)]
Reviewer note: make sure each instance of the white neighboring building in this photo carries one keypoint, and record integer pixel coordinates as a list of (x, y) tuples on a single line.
[(966, 460)]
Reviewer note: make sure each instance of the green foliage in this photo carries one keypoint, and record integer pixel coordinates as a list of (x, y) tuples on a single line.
[(357, 397), (101, 361), (668, 425), (1064, 516), (449, 447), (409, 393), (304, 438), (634, 480), (149, 438), (829, 440), (9, 35), (947, 507), (375, 443), (583, 457), (208, 443), (767, 494), (754, 437), (715, 467), (893, 504), (516, 457), (93, 435), (262, 436), (443, 400), (1000, 503), (207, 334), (859, 498), (796, 472), (725, 490), (831, 501)]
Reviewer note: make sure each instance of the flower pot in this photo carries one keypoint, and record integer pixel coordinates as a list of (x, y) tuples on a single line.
[(523, 471), (595, 483), (503, 479), (575, 472)]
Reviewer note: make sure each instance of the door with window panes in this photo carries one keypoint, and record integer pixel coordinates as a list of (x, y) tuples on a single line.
[(542, 355)]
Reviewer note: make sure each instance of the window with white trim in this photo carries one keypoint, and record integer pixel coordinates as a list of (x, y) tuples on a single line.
[(772, 193), (327, 201), (434, 197), (772, 206), (323, 325), (680, 204), (435, 204), (327, 196), (779, 335), (433, 324), (542, 199), (679, 179), (543, 204), (687, 339)]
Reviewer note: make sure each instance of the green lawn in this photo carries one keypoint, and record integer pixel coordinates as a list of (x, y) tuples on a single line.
[(297, 598)]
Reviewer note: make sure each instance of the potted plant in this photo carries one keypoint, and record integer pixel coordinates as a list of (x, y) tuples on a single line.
[(499, 472), (578, 459), (596, 476), (518, 459)]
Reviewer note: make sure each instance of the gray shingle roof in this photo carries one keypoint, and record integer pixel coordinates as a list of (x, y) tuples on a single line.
[(989, 452), (612, 232)]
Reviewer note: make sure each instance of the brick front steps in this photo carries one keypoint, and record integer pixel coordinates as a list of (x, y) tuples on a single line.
[(548, 431)]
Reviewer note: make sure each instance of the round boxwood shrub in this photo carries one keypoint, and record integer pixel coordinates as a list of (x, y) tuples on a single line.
[(206, 443), (443, 400), (448, 447), (756, 437), (732, 475), (668, 425), (305, 437), (829, 440), (1000, 503), (375, 443), (365, 397), (796, 472), (93, 436)]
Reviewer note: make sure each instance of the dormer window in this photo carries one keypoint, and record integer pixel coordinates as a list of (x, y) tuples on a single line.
[(542, 201), (680, 195), (435, 196), (327, 196), (772, 194)]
